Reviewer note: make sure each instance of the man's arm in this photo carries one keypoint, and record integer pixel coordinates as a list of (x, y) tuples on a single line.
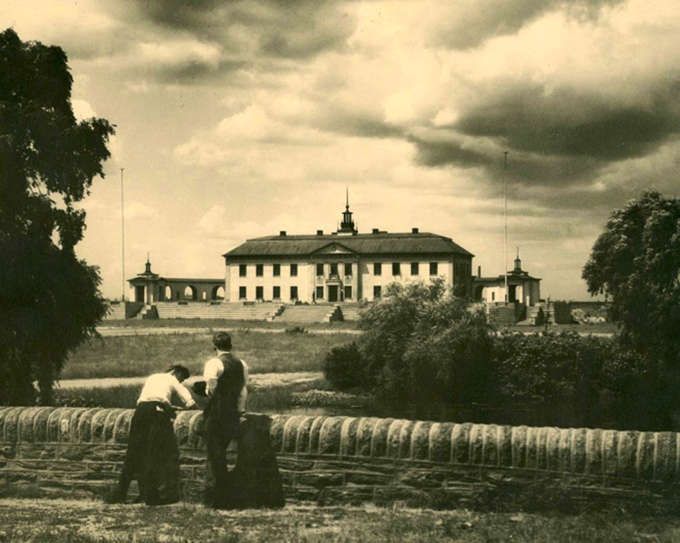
[(211, 373), (243, 395), (184, 395)]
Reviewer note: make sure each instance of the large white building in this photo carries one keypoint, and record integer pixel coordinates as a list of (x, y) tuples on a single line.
[(341, 266)]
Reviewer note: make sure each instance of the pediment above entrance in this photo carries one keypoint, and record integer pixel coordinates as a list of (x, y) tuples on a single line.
[(334, 249)]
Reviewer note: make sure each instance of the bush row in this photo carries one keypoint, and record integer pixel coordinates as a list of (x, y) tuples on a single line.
[(422, 346)]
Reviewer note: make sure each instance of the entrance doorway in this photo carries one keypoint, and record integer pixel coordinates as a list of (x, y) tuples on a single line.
[(332, 293), (139, 293)]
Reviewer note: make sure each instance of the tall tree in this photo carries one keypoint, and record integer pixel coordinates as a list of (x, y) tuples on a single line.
[(636, 261), (49, 299)]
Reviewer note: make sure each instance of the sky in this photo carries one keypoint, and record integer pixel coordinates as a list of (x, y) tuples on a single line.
[(241, 118)]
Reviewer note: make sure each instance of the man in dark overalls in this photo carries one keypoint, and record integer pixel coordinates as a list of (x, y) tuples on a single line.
[(225, 377), (152, 454)]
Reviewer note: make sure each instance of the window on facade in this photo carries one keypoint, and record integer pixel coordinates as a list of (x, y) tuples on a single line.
[(319, 293), (396, 268), (277, 270), (377, 289), (334, 269), (259, 270), (434, 268), (293, 270), (293, 293), (319, 269), (377, 268), (242, 293), (259, 293), (348, 293), (276, 293), (242, 270), (493, 296), (348, 269), (414, 268)]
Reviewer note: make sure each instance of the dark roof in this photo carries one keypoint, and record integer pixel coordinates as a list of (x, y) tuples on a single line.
[(175, 279), (364, 244)]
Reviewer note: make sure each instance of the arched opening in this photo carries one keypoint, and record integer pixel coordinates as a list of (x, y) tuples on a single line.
[(190, 293), (167, 293), (218, 293)]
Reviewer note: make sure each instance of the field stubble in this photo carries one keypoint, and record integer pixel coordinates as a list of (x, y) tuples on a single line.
[(138, 356), (88, 521)]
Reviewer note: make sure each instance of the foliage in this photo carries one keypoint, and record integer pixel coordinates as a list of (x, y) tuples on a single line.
[(636, 261), (296, 330), (343, 366), (595, 379), (49, 300), (421, 343)]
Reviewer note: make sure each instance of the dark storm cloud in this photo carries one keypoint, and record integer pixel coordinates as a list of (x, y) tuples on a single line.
[(471, 26), (284, 29), (568, 123), (527, 168), (192, 71), (556, 138)]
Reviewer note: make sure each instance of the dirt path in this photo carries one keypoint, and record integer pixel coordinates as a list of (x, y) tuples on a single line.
[(258, 380)]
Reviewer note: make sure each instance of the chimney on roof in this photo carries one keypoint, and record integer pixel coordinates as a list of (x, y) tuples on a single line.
[(376, 231), (282, 233), (319, 232), (479, 271), (414, 230)]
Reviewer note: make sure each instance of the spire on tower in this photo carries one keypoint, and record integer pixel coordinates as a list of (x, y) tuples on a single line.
[(347, 225)]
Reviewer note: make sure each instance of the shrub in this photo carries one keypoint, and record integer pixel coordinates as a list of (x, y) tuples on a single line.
[(422, 343), (296, 330), (343, 367)]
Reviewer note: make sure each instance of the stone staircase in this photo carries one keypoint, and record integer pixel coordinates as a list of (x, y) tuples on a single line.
[(116, 312), (350, 312), (534, 317), (218, 310), (310, 313)]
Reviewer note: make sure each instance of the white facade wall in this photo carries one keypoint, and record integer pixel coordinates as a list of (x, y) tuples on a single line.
[(303, 281), (363, 278), (370, 280)]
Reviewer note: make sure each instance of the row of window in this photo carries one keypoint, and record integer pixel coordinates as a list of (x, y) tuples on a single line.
[(415, 268), (276, 292), (334, 268), (259, 270), (259, 293)]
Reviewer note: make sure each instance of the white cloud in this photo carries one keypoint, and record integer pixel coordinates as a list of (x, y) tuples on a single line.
[(82, 110), (213, 222), (138, 210)]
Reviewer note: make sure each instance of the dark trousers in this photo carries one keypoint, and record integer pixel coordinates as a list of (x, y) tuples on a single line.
[(152, 456), (219, 433)]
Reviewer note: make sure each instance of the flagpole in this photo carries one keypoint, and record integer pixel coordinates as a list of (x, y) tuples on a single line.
[(122, 216), (505, 215)]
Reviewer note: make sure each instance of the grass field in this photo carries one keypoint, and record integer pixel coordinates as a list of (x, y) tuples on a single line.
[(137, 356), (42, 521), (271, 398)]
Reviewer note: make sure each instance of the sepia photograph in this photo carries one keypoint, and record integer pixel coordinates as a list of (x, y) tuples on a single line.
[(339, 270)]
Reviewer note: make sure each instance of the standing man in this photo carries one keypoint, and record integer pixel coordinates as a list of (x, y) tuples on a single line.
[(153, 455), (225, 377)]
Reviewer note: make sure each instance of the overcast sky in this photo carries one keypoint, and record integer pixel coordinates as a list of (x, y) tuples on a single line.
[(238, 119)]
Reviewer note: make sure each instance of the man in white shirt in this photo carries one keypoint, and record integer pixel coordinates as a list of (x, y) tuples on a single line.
[(226, 378), (152, 454)]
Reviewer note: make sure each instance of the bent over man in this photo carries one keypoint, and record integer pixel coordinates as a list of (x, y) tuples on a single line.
[(225, 377), (152, 454)]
